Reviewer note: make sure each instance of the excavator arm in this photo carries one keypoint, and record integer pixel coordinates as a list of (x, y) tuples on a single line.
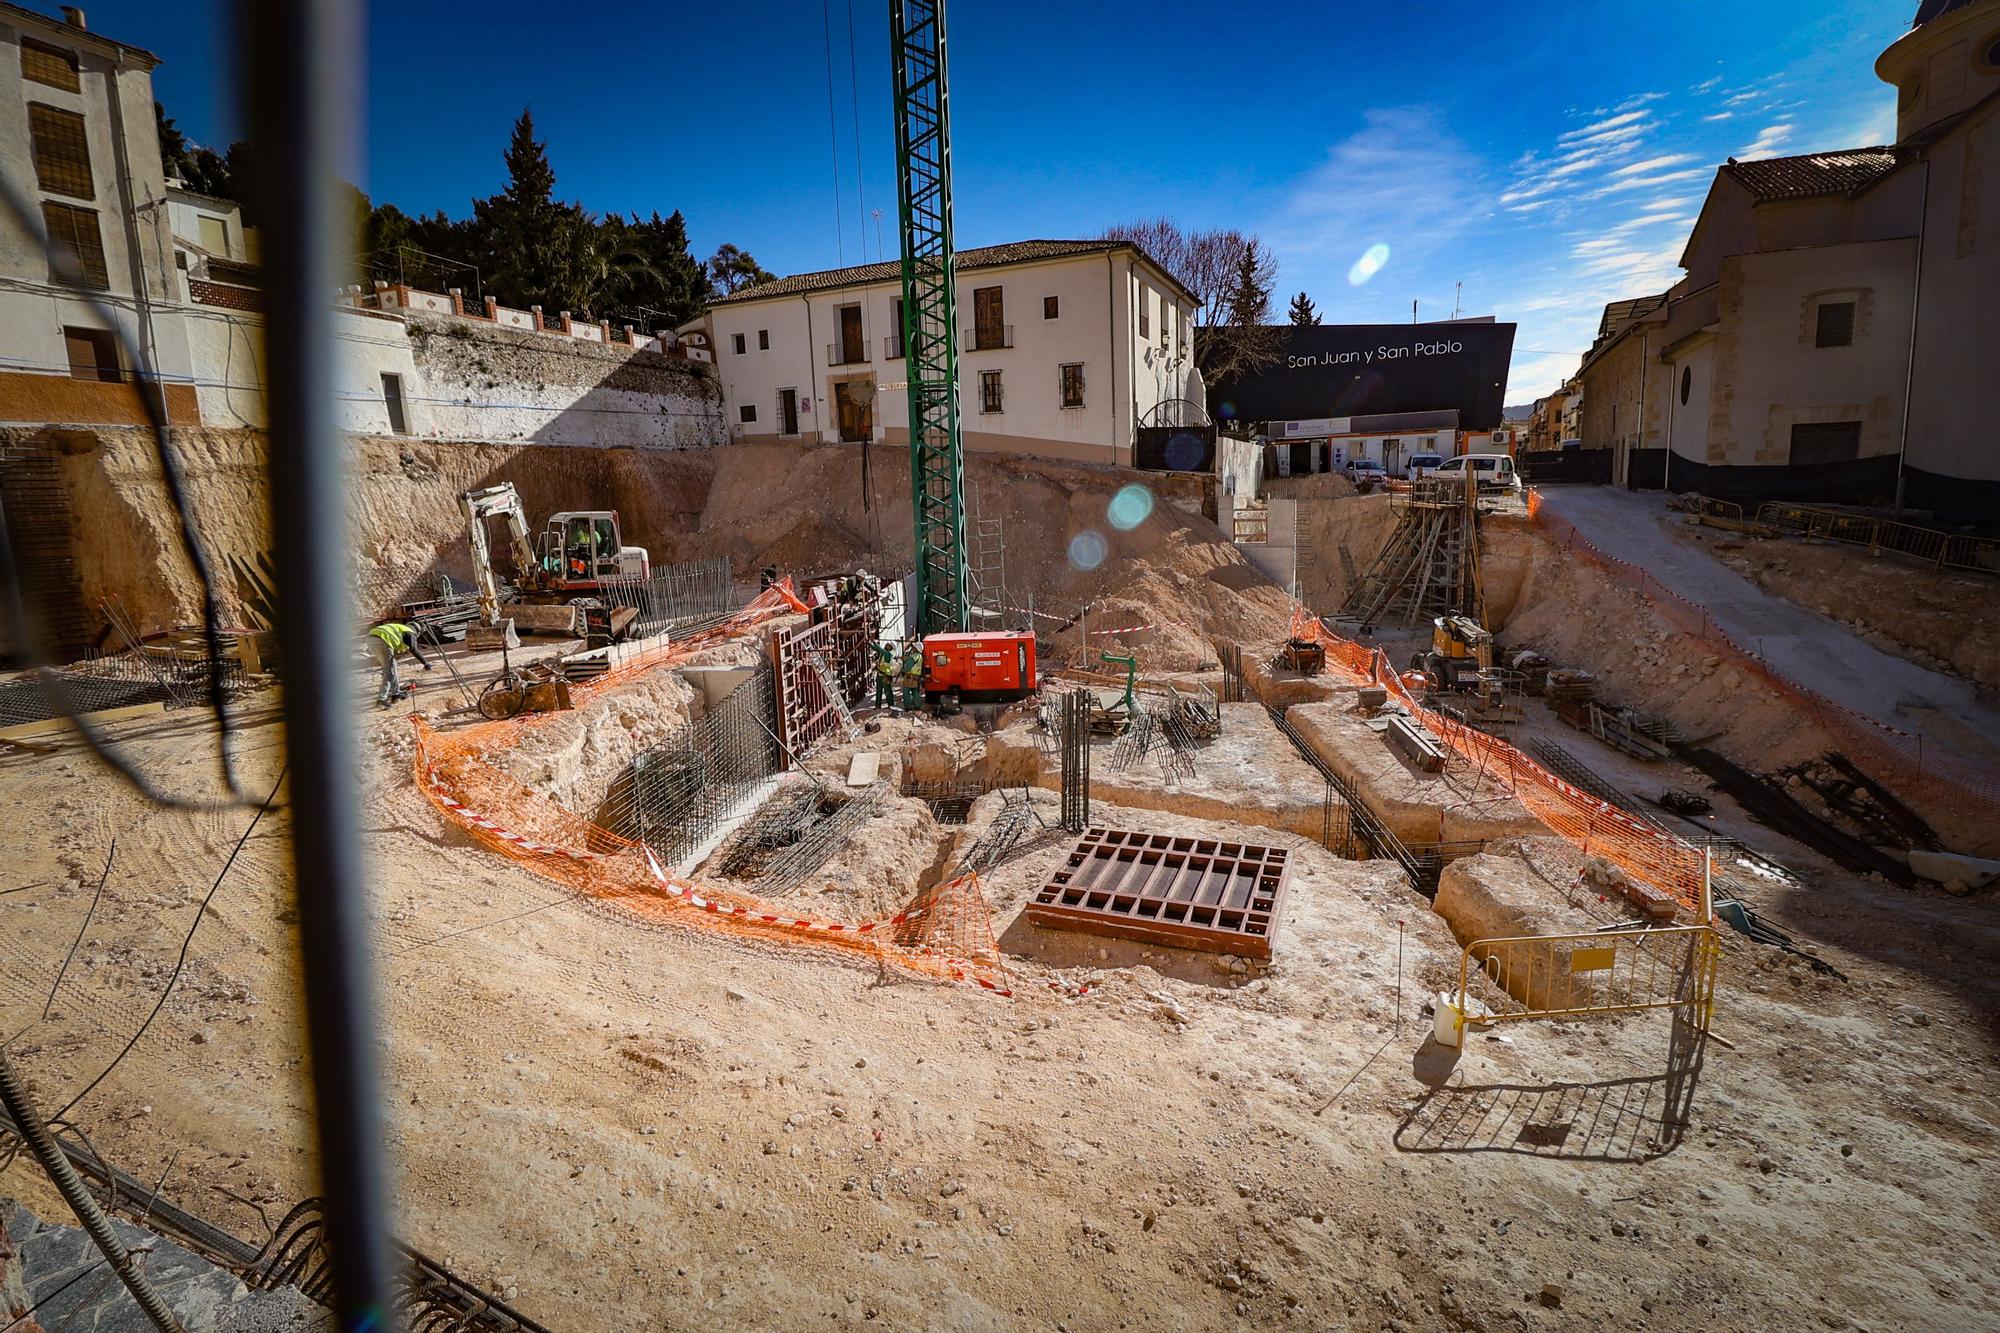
[(478, 506)]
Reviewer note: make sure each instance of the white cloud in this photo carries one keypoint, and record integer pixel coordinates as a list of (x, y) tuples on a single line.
[(1617, 135), (1654, 163), (1768, 142), (1707, 85), (1402, 178), (1596, 127), (1639, 99), (1645, 182), (1720, 115)]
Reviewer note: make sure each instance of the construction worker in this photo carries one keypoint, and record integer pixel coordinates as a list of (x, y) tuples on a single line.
[(913, 675), (384, 642), (885, 676)]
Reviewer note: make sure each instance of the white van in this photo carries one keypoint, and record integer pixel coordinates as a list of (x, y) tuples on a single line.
[(1495, 471)]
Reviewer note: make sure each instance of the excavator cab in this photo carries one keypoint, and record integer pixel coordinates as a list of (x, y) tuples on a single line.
[(585, 547)]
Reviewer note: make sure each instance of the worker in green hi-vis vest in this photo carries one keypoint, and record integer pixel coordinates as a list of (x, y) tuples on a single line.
[(885, 675), (913, 676), (384, 642)]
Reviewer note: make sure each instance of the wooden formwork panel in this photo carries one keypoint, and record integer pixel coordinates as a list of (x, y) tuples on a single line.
[(1192, 893)]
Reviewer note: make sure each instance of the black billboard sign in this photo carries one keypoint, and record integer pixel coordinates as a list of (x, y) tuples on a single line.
[(1346, 370)]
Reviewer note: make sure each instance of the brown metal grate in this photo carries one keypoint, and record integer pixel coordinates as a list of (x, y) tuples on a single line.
[(1196, 893)]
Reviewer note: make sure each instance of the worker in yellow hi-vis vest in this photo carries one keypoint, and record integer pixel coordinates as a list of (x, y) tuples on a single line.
[(885, 676), (913, 676), (384, 642)]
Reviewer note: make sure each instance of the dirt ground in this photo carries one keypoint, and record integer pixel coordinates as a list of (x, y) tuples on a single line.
[(621, 1127), (1948, 620)]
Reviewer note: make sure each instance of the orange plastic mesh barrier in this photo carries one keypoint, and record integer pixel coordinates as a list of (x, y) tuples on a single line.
[(945, 933), (1592, 827), (1919, 773)]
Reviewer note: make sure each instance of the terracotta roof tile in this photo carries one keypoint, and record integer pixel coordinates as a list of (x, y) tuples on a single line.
[(1813, 174), (981, 257)]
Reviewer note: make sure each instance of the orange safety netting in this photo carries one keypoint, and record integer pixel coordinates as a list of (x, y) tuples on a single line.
[(1592, 826), (945, 933), (1924, 774)]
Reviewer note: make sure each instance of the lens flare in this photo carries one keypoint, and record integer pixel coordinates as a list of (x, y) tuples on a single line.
[(1368, 265), (1087, 549), (1129, 508)]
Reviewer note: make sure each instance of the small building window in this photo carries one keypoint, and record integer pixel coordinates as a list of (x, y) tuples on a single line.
[(1145, 312), (1826, 442), (748, 412), (1049, 307), (62, 151), (214, 235), (763, 340), (736, 344), (93, 355), (1072, 384), (989, 391), (76, 246), (1836, 325), (1687, 383), (392, 398), (50, 65), (892, 343)]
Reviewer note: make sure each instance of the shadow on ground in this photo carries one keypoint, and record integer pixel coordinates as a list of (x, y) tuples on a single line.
[(1635, 1119)]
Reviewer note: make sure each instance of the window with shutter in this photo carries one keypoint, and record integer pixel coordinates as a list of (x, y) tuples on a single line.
[(50, 65), (93, 354), (1836, 325), (76, 246), (989, 318), (62, 151)]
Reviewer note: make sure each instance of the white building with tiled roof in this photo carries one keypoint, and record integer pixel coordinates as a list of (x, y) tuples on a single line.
[(1064, 346), (1834, 338)]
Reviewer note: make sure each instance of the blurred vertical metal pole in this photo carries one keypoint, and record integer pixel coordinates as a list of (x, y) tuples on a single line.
[(298, 59)]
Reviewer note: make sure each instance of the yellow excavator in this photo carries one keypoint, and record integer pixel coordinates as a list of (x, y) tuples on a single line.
[(1461, 658)]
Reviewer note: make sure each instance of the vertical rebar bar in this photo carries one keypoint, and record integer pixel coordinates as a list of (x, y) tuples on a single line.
[(299, 57), (14, 1097)]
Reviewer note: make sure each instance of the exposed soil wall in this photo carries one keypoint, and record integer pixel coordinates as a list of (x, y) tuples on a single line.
[(1361, 523), (807, 510)]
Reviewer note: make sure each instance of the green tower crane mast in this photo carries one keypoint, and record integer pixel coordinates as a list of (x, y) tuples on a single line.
[(930, 321)]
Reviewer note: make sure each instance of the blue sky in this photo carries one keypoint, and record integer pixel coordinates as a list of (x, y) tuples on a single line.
[(1548, 156)]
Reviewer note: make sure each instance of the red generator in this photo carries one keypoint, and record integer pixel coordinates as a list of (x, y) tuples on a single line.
[(978, 668)]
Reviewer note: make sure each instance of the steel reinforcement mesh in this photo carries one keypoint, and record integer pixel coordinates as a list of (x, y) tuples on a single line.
[(945, 933), (1896, 758)]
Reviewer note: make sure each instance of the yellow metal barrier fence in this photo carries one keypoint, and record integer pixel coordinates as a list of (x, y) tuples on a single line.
[(1586, 973)]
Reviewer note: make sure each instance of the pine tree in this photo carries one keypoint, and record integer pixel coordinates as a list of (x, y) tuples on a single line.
[(1302, 311), (538, 250), (1250, 292)]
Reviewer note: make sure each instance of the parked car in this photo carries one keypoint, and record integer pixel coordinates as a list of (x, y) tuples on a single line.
[(1422, 465), (1495, 471), (1366, 474)]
